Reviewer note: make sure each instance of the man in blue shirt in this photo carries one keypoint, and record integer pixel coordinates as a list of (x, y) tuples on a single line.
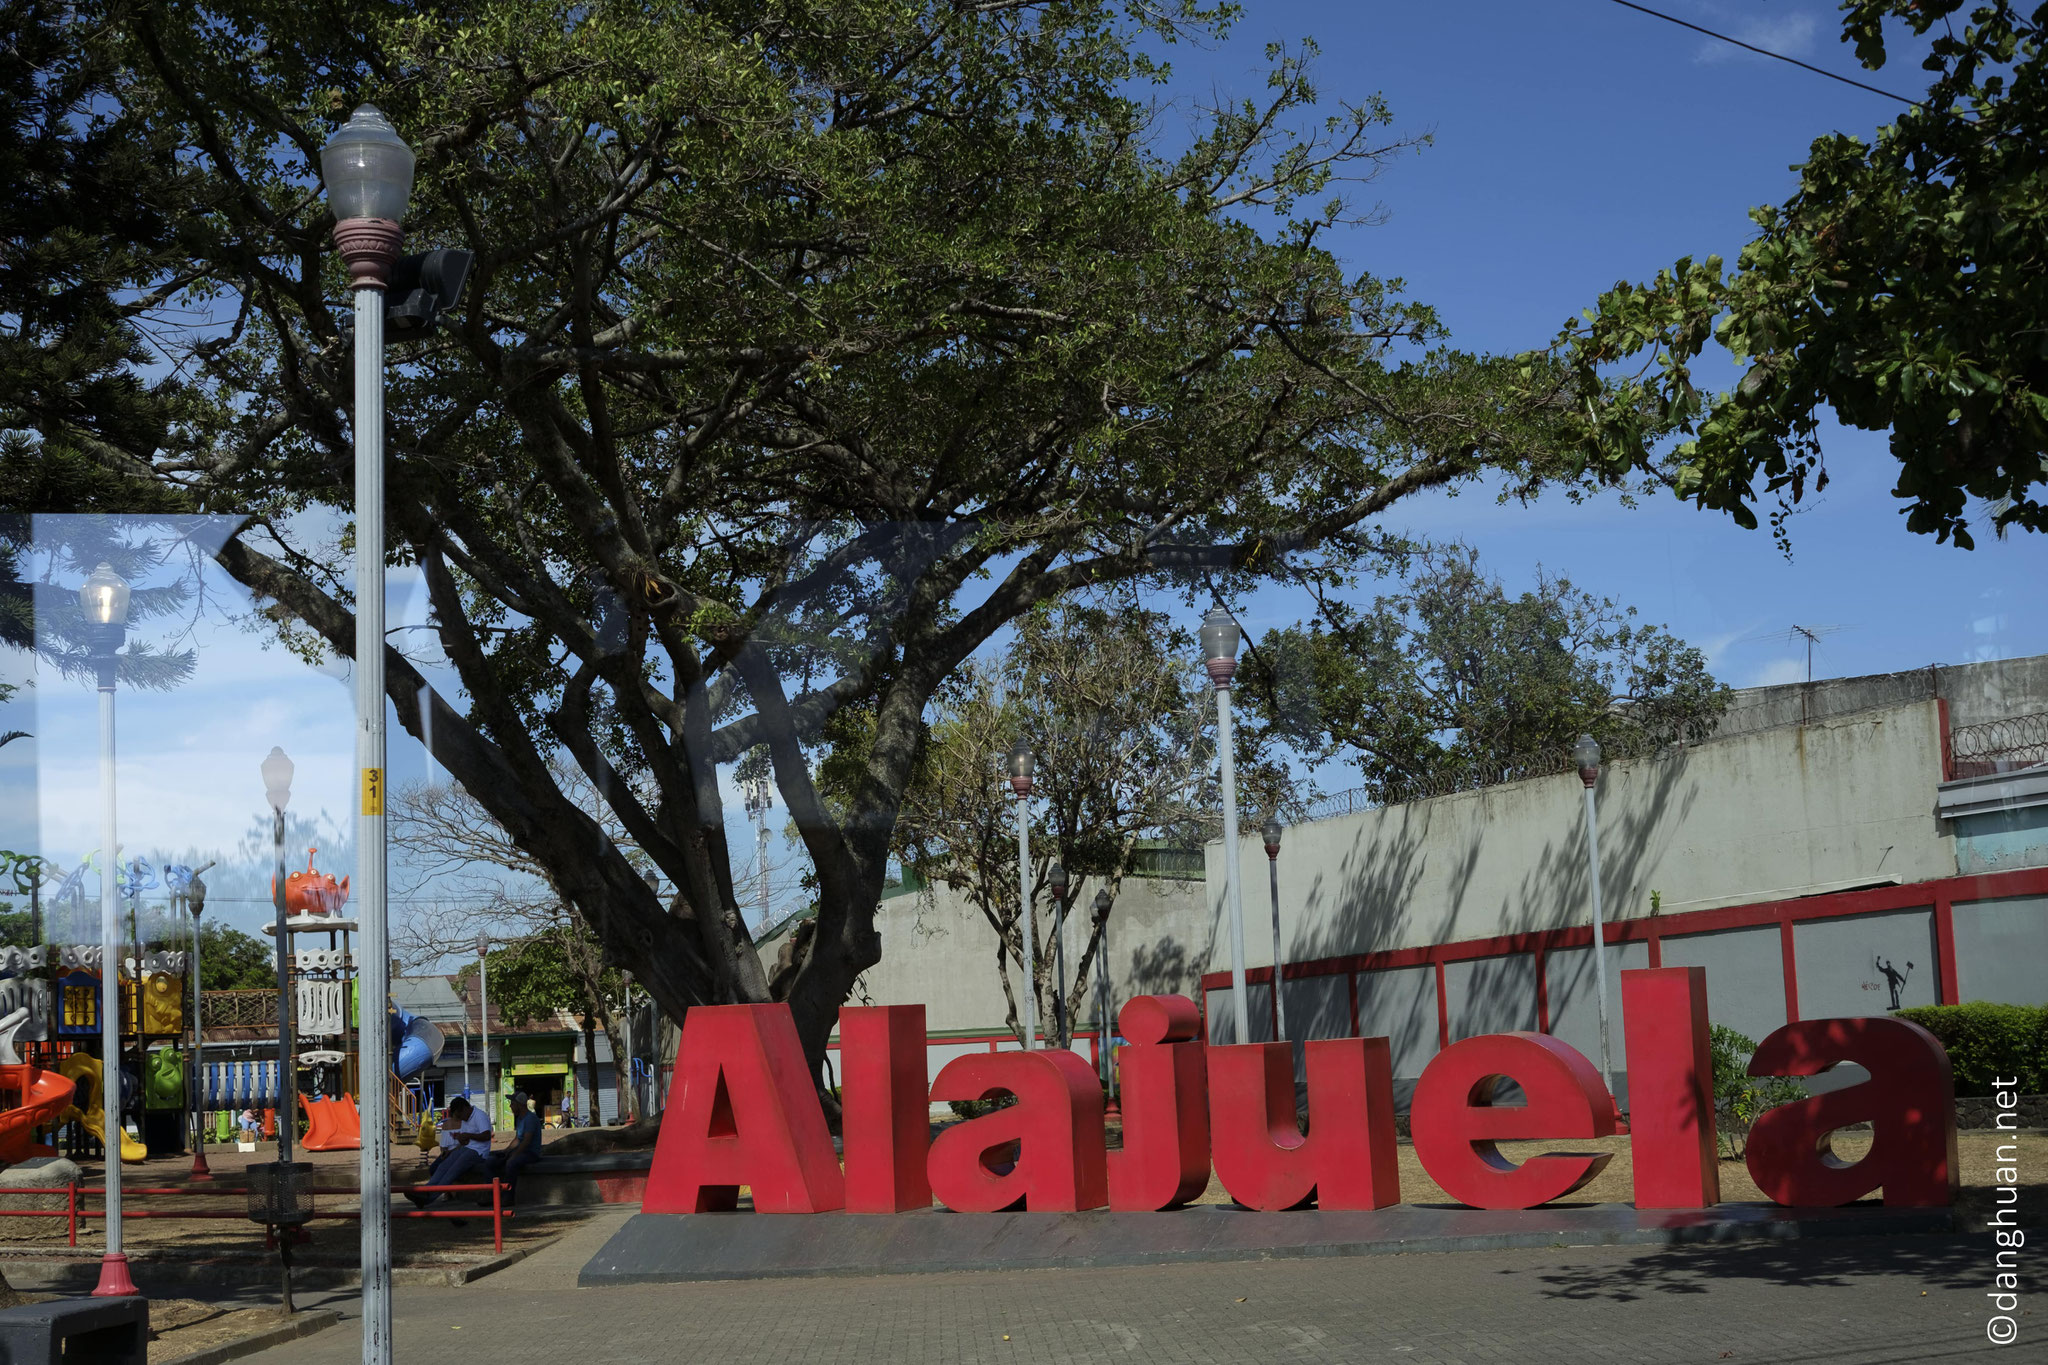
[(525, 1148)]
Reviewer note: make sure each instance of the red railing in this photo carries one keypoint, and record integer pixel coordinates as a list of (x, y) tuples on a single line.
[(72, 1213)]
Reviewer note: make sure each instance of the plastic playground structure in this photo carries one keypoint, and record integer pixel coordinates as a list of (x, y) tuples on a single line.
[(53, 996)]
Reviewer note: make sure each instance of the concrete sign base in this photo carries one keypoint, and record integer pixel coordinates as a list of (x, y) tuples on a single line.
[(673, 1248)]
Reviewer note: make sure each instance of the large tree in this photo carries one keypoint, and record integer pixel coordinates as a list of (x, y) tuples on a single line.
[(809, 346), (1902, 287), (1105, 695), (468, 876), (1452, 682)]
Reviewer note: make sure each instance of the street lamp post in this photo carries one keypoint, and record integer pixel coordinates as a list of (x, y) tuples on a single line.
[(277, 789), (1586, 757), (1105, 1018), (1021, 764), (1220, 638), (632, 1085), (758, 802), (195, 901), (104, 595), (1271, 830), (1056, 880), (368, 172), (483, 1016)]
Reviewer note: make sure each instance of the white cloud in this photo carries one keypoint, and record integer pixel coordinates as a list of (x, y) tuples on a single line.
[(1788, 34), (1778, 672)]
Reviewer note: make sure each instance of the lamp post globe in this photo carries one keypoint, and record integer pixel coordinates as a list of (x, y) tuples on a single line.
[(1586, 758), (1271, 832), (368, 172), (104, 596), (1021, 764), (277, 779)]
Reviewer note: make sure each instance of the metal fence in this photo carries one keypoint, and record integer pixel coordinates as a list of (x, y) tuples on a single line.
[(1453, 778), (1999, 745), (239, 1009)]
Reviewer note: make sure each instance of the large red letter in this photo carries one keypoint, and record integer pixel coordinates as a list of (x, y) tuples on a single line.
[(1455, 1122), (747, 1115), (1670, 1088), (885, 1117), (1057, 1120), (1909, 1101), (1165, 1157), (1347, 1161)]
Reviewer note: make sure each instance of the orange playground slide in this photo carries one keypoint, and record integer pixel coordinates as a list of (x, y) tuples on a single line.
[(44, 1095), (332, 1125)]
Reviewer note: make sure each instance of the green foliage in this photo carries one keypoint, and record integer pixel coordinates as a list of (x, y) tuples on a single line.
[(230, 960), (809, 348), (1901, 286), (1738, 1096), (1451, 682), (1986, 1041), (974, 1109), (534, 978)]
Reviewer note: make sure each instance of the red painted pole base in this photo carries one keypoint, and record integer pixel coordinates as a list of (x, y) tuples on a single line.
[(200, 1170), (114, 1278)]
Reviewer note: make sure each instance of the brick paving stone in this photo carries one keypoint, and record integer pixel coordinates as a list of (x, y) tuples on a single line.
[(1848, 1302)]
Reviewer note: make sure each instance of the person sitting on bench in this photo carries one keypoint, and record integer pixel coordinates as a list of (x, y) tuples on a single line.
[(465, 1140), (525, 1148)]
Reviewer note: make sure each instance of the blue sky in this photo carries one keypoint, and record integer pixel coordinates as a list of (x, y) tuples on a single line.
[(1576, 143)]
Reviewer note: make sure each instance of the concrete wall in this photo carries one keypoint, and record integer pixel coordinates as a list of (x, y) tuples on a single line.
[(939, 952), (1976, 693), (1756, 817)]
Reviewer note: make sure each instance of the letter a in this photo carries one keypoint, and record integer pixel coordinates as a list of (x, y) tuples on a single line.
[(884, 1113), (746, 1114), (1909, 1101), (1165, 1157), (1056, 1122), (1347, 1161), (1670, 1088)]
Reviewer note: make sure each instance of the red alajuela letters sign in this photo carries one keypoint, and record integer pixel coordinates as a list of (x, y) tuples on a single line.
[(744, 1112), (1165, 1157)]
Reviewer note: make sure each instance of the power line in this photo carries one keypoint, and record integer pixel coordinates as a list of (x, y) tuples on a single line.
[(1766, 52)]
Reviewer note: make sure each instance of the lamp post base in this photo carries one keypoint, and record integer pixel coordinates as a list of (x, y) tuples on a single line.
[(200, 1170), (115, 1281)]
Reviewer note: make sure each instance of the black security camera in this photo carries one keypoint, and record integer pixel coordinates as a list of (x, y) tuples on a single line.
[(421, 287)]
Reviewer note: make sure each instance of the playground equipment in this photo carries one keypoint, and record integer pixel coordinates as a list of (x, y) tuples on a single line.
[(311, 892), (84, 1071), (335, 1125), (42, 1094)]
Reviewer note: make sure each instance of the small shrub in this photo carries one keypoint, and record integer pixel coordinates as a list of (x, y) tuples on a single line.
[(1986, 1040), (1739, 1098), (974, 1109)]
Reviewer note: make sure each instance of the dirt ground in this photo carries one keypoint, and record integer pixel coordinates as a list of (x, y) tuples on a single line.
[(414, 1241)]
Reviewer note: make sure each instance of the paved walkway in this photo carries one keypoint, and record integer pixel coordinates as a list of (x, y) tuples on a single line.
[(1876, 1302)]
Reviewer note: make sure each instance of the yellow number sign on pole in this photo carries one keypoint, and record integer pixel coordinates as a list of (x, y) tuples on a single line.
[(373, 791)]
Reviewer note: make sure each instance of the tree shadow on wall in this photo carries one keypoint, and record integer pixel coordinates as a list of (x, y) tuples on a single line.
[(1368, 903), (1168, 966)]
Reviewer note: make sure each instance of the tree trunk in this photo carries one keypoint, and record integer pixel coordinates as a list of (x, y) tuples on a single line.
[(590, 1071)]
